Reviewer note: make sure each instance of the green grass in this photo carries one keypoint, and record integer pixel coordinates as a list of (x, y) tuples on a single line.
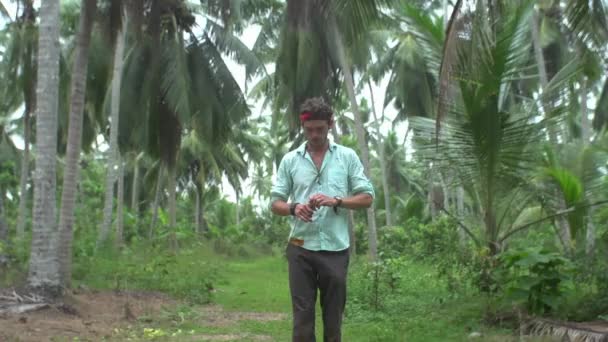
[(258, 285), (421, 309)]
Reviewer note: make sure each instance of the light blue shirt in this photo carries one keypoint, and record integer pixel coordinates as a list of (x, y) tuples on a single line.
[(298, 178)]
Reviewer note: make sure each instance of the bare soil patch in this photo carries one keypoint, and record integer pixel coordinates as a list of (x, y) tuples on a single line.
[(94, 315)]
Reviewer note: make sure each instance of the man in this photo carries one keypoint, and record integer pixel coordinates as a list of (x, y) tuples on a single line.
[(323, 181)]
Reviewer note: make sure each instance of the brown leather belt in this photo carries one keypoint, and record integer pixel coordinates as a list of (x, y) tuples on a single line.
[(296, 242)]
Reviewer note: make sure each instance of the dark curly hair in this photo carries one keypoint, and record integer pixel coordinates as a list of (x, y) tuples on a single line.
[(317, 107)]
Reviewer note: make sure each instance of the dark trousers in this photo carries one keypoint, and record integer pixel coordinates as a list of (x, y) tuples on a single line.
[(309, 271)]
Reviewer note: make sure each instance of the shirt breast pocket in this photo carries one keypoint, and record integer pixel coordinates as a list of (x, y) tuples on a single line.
[(338, 182)]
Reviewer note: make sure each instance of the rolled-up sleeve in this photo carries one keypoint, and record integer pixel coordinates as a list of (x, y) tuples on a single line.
[(358, 181), (281, 189)]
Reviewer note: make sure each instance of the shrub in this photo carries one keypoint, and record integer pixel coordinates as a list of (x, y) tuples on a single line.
[(535, 277)]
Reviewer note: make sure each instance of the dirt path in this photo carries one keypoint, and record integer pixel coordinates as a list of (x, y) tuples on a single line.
[(97, 315)]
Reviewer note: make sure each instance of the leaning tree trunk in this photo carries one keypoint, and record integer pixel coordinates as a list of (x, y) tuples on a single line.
[(113, 153), (71, 170), (381, 148), (43, 266), (360, 132), (119, 206)]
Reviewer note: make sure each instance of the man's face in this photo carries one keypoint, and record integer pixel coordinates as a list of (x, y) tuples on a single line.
[(316, 131)]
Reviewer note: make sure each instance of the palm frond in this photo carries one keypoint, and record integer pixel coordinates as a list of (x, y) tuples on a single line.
[(175, 79), (588, 20), (427, 30), (223, 104), (232, 46), (263, 90), (447, 62), (136, 92), (357, 16)]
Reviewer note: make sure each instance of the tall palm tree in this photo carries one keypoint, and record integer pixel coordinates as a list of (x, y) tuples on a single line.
[(163, 89), (22, 68), (43, 264), (113, 151), (71, 170)]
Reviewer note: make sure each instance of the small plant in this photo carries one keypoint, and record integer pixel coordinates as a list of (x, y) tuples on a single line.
[(535, 277), (377, 281)]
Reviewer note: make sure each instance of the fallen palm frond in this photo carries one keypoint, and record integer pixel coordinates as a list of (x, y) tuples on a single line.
[(569, 331)]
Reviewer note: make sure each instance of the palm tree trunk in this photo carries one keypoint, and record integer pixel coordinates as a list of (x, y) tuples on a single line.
[(29, 96), (445, 191), (197, 213), (156, 204), (25, 172), (385, 187), (135, 189), (585, 123), (460, 211), (70, 175), (586, 136), (43, 266), (172, 208), (119, 206), (3, 226), (113, 153), (238, 218), (360, 133)]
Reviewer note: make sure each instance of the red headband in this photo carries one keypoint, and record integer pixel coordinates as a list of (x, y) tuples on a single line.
[(305, 116)]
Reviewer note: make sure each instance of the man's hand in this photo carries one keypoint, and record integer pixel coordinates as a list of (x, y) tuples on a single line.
[(320, 200), (304, 212)]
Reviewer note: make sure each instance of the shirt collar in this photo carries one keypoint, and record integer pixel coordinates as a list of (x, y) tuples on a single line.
[(302, 148)]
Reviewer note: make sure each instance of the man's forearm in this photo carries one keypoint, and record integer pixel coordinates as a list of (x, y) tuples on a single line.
[(357, 201), (280, 207)]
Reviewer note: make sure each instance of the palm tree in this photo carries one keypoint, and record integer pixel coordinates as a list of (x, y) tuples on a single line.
[(71, 170), (22, 69), (488, 142), (43, 264), (163, 89), (113, 152)]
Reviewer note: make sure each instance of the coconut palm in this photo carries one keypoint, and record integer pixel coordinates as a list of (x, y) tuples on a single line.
[(20, 63), (488, 141), (71, 170), (163, 90), (43, 265)]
